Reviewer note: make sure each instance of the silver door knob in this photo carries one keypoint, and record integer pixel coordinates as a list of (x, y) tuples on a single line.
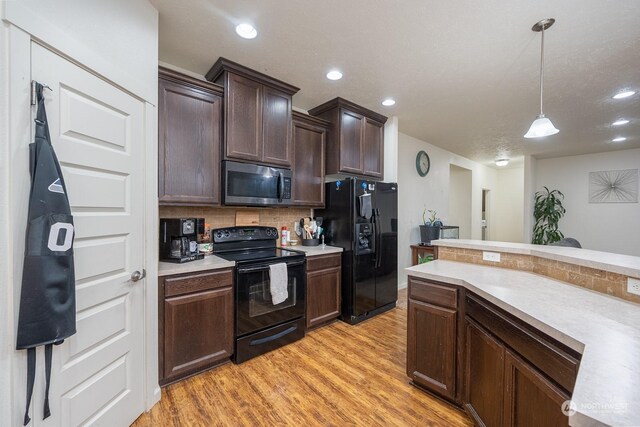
[(136, 275)]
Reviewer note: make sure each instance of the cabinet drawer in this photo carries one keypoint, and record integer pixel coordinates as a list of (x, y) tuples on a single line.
[(433, 293), (188, 283), (323, 261), (544, 353)]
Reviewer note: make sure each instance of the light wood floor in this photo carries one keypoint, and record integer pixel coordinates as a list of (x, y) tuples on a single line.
[(340, 375)]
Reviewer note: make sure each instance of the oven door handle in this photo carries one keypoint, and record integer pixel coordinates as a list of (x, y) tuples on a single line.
[(244, 270), (274, 337)]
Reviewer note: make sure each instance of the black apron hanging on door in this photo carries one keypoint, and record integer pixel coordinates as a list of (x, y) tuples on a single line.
[(47, 300)]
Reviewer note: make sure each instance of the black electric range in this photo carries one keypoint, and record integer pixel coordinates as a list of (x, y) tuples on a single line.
[(261, 325)]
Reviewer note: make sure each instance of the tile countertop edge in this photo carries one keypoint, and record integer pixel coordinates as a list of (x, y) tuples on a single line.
[(624, 264), (587, 413), (210, 262)]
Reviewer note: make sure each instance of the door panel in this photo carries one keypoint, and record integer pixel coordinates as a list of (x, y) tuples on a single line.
[(530, 399), (365, 284), (98, 133), (373, 150), (431, 347), (198, 331), (385, 201), (276, 127), (308, 165), (351, 142), (323, 296), (243, 121), (189, 134), (484, 375)]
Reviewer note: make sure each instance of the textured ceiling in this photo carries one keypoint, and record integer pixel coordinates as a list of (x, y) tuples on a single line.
[(464, 73)]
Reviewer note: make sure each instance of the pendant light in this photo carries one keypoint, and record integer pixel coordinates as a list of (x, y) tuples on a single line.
[(541, 126)]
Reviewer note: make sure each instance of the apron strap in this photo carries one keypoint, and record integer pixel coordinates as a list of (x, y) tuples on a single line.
[(48, 352), (31, 376)]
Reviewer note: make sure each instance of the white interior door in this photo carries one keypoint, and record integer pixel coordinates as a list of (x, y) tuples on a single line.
[(98, 134)]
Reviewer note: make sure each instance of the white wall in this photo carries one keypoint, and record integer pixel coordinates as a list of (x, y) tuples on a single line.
[(391, 150), (609, 227), (116, 39), (508, 206), (460, 183), (530, 165), (415, 193)]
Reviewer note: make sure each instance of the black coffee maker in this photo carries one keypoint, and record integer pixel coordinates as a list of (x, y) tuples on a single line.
[(178, 239)]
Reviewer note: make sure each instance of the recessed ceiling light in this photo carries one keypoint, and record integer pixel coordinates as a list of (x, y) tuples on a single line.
[(620, 122), (502, 162), (246, 31), (619, 139), (334, 75), (624, 94), (388, 102)]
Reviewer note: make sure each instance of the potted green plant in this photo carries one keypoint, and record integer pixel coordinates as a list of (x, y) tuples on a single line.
[(431, 228), (547, 212)]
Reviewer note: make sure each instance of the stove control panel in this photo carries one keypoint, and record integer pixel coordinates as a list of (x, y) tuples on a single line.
[(242, 234)]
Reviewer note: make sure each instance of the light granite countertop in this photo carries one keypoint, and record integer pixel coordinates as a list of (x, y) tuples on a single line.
[(315, 250), (210, 262), (604, 329), (607, 261)]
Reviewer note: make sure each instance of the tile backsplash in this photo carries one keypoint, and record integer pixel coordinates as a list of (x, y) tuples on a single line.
[(226, 217)]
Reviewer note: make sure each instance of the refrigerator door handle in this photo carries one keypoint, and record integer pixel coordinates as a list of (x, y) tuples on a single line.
[(378, 238)]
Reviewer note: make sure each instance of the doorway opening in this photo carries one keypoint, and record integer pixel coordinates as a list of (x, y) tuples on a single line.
[(460, 200), (485, 214)]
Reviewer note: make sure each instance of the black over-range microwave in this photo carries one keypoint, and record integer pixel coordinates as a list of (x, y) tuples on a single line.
[(257, 185)]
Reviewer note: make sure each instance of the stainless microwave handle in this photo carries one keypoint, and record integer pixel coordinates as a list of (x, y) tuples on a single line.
[(280, 186), (243, 270)]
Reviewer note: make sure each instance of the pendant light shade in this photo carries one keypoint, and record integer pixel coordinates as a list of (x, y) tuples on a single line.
[(541, 126)]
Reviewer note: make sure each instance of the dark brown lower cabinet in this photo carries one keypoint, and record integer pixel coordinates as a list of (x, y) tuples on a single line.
[(324, 274), (484, 375), (196, 323), (431, 347), (531, 400), (512, 374)]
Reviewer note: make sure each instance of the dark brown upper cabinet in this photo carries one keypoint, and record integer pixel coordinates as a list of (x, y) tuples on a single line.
[(309, 139), (189, 138), (257, 114), (355, 143)]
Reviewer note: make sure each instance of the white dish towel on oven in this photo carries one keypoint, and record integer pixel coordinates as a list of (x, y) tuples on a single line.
[(278, 283)]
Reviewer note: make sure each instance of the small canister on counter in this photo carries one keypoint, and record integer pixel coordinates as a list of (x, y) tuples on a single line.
[(204, 241), (284, 236)]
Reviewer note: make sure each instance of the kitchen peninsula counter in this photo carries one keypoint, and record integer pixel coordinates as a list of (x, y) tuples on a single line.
[(605, 330), (616, 263)]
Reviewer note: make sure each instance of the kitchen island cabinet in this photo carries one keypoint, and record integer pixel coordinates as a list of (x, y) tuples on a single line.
[(309, 137), (355, 143), (432, 335), (500, 370), (257, 114), (189, 138), (195, 323)]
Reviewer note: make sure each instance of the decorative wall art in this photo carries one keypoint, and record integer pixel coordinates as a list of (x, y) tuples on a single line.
[(619, 186)]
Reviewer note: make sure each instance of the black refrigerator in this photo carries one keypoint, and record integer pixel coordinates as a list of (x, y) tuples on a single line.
[(362, 217)]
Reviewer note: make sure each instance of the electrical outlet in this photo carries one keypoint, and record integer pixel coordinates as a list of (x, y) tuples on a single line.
[(633, 286), (491, 256)]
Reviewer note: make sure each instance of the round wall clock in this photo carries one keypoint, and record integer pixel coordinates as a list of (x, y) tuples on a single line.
[(423, 163)]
